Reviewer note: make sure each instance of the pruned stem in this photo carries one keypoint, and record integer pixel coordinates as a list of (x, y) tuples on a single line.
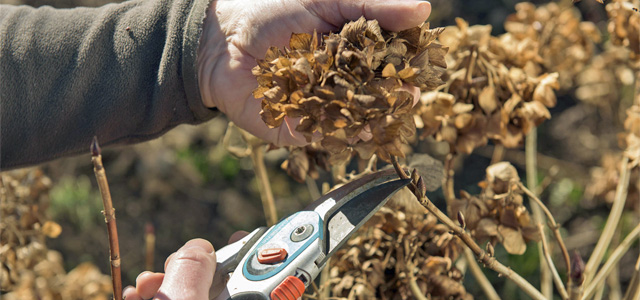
[(266, 195), (555, 228), (482, 256), (611, 224), (611, 262), (109, 217), (556, 277)]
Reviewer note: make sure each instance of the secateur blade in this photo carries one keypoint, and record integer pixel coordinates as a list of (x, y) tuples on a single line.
[(347, 208)]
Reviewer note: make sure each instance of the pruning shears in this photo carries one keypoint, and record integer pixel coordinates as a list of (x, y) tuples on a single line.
[(280, 262)]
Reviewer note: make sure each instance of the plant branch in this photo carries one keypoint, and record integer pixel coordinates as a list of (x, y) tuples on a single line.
[(633, 291), (268, 204), (611, 224), (482, 256), (482, 279), (556, 277), (555, 228), (531, 145), (109, 217), (611, 262)]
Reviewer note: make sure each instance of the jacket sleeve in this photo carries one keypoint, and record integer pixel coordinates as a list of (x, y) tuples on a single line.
[(123, 72)]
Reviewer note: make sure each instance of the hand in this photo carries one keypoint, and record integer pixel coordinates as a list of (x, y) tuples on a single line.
[(236, 33), (188, 274)]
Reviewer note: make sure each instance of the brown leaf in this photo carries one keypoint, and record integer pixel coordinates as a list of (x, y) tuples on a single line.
[(300, 41), (512, 240)]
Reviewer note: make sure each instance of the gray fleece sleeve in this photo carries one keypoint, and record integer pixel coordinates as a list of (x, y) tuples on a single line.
[(123, 72)]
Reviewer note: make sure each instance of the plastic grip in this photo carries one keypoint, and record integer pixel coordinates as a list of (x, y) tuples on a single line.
[(291, 288)]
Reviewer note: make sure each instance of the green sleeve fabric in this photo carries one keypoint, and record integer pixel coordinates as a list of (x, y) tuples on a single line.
[(123, 72)]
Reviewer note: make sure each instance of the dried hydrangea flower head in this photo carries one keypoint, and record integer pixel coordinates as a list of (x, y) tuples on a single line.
[(351, 82), (486, 95), (395, 249), (563, 43), (498, 213), (624, 25)]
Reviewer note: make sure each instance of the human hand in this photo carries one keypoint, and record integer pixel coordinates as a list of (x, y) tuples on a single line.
[(188, 274), (236, 33)]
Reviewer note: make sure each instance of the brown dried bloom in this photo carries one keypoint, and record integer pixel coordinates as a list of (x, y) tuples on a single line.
[(28, 270), (498, 214), (486, 96), (393, 250), (605, 178), (624, 25), (303, 162), (601, 83), (350, 85), (559, 41)]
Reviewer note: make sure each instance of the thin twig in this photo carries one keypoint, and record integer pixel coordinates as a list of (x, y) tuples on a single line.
[(633, 291), (413, 285), (555, 228), (447, 186), (266, 195), (109, 217), (481, 279), (611, 224), (556, 277), (531, 150), (487, 260), (612, 261)]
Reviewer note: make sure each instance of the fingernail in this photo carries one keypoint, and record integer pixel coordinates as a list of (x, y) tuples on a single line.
[(199, 244)]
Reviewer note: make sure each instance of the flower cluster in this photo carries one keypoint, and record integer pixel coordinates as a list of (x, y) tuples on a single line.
[(624, 25), (560, 41), (350, 85), (486, 95), (498, 213), (28, 269), (397, 250)]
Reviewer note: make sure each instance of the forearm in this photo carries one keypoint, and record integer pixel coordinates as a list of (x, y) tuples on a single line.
[(123, 72)]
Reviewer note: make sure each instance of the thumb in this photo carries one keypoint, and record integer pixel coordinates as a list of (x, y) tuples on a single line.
[(189, 273), (394, 15)]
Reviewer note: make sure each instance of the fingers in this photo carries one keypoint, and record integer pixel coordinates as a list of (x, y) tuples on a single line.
[(394, 15), (189, 272)]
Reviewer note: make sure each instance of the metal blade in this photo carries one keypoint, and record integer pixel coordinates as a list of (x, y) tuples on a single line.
[(347, 216), (344, 193)]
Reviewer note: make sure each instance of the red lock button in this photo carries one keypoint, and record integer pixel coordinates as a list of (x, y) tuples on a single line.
[(291, 288), (272, 255)]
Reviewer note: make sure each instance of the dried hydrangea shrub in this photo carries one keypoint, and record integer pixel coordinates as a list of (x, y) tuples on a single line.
[(486, 96), (349, 83), (498, 213), (604, 181), (624, 25), (603, 81), (563, 42), (28, 269), (393, 250)]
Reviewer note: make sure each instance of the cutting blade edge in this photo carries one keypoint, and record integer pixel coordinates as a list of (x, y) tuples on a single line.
[(344, 219)]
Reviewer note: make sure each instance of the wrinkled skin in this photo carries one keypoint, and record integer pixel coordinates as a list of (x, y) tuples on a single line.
[(249, 28)]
